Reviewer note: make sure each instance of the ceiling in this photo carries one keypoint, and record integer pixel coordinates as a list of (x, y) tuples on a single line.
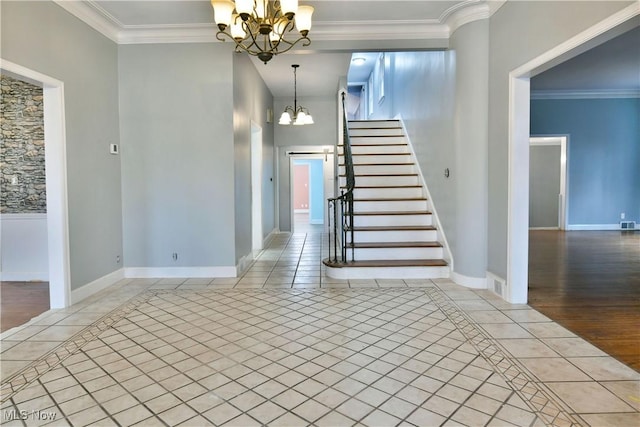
[(343, 26), (614, 65)]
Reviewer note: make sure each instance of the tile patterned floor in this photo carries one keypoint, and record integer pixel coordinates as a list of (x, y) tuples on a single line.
[(286, 346)]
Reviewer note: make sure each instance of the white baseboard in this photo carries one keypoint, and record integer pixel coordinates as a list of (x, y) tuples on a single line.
[(593, 227), (544, 228), (96, 286), (179, 272), (316, 221), (21, 276), (468, 281), (267, 240), (297, 211)]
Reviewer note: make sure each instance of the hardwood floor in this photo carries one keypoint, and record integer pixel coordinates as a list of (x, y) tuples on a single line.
[(21, 302), (589, 282)]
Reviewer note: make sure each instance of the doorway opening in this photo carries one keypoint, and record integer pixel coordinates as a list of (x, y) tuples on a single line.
[(57, 235), (518, 155), (256, 188), (548, 183), (307, 194)]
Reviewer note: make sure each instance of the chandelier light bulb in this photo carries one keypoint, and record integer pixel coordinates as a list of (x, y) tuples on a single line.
[(303, 19), (223, 11)]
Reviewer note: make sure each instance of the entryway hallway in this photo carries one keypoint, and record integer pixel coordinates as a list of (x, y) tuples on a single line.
[(286, 346)]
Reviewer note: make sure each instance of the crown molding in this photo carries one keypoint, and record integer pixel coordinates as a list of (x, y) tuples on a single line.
[(87, 11), (177, 33), (453, 18), (380, 30), (585, 94)]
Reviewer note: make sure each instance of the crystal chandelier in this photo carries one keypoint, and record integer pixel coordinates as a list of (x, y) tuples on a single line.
[(296, 114), (260, 27)]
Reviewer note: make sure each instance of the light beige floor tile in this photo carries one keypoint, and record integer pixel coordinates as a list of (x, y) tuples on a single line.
[(605, 368), (527, 348), (526, 316), (29, 350), (548, 330), (10, 367), (506, 330), (57, 333), (624, 419), (589, 397), (288, 420), (629, 391), (554, 369), (489, 316)]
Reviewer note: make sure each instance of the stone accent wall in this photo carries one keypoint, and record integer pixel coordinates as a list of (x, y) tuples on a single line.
[(22, 170)]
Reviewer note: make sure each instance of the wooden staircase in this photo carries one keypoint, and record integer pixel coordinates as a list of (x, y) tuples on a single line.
[(394, 231)]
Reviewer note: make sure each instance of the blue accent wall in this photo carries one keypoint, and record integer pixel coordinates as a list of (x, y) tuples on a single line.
[(603, 155), (316, 190)]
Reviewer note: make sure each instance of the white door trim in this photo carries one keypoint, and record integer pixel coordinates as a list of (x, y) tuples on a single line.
[(292, 159), (560, 140), (518, 144), (56, 182)]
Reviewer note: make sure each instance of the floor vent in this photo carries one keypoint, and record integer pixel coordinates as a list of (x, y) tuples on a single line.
[(627, 225)]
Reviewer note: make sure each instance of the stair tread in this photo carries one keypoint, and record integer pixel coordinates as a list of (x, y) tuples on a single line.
[(390, 245), (399, 199), (389, 263), (366, 175), (395, 228), (397, 144), (377, 154), (384, 186), (381, 164), (391, 213), (376, 136)]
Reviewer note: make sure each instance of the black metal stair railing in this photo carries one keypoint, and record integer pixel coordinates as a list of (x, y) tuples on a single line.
[(340, 209)]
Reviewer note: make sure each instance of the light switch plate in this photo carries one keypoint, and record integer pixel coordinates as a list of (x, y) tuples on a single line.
[(113, 149)]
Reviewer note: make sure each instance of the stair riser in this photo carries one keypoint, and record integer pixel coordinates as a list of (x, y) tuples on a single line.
[(380, 169), (376, 132), (382, 160), (387, 193), (395, 236), (392, 220), (371, 254), (389, 273), (377, 140), (367, 181), (375, 124), (369, 149), (391, 206)]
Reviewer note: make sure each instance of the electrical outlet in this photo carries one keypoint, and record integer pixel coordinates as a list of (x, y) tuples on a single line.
[(622, 215), (117, 259)]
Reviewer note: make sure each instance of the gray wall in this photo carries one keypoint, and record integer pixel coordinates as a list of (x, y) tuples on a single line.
[(519, 32), (470, 44), (43, 37), (177, 153), (251, 99), (544, 185)]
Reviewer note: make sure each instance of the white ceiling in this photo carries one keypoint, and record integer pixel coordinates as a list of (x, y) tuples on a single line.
[(148, 21), (350, 23)]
